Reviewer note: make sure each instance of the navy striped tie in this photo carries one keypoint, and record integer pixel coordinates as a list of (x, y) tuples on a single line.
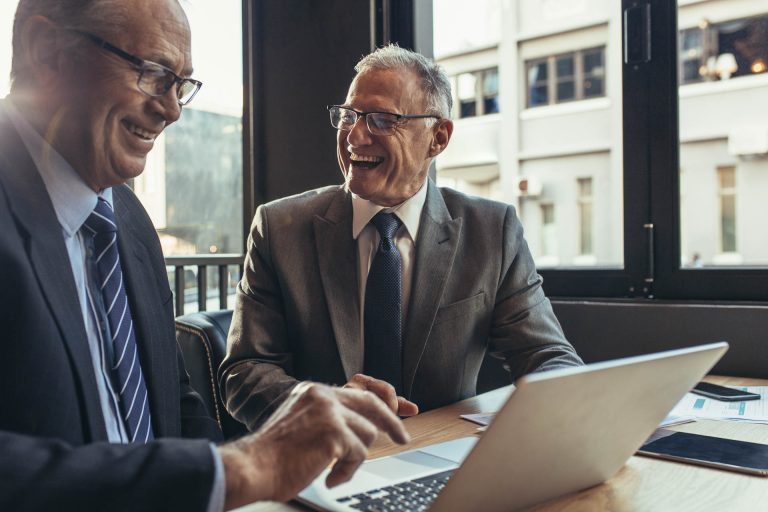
[(126, 368), (382, 317)]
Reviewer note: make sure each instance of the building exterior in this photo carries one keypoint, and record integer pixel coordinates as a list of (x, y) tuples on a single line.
[(539, 124)]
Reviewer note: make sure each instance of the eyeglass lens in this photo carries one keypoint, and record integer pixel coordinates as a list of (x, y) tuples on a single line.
[(156, 81), (378, 123)]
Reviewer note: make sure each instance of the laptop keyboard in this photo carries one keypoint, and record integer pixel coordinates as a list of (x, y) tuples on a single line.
[(414, 495)]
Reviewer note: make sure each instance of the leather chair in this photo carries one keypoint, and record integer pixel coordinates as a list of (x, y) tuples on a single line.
[(202, 337)]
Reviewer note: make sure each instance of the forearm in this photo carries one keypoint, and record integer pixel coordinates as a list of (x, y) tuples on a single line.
[(253, 390)]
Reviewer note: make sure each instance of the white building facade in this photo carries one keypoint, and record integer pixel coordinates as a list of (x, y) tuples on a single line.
[(539, 125)]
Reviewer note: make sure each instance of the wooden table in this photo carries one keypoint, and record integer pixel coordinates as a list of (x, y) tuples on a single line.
[(643, 484)]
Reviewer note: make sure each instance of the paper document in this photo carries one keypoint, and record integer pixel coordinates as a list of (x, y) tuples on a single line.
[(753, 411)]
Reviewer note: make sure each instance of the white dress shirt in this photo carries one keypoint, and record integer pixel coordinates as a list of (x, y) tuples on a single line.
[(367, 236)]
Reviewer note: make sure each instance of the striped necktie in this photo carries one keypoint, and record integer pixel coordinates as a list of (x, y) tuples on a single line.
[(120, 339), (382, 316)]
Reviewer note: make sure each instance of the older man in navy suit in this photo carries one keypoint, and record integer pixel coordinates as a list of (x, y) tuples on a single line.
[(95, 397)]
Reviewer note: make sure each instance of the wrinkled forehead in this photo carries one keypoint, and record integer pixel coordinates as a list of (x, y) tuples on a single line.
[(391, 89), (158, 30)]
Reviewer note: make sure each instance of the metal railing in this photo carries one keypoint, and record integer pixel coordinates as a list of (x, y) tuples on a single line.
[(201, 262)]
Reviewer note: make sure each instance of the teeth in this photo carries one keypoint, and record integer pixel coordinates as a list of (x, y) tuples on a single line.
[(365, 158), (144, 134)]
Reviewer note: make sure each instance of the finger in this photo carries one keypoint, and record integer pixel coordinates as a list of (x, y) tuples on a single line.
[(358, 381), (346, 465), (383, 390), (373, 409), (406, 408)]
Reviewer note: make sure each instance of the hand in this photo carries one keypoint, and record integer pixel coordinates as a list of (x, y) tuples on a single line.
[(386, 392), (316, 425)]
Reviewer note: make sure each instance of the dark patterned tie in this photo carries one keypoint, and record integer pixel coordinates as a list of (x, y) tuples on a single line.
[(125, 367), (383, 322)]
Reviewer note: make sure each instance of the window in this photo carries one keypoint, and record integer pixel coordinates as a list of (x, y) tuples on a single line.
[(574, 76), (585, 215), (548, 231), (565, 76), (723, 50), (611, 167), (593, 78), (491, 91), (477, 93), (538, 88), (466, 91), (726, 177)]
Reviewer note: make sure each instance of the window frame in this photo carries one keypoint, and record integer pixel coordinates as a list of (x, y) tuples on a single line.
[(651, 193), (479, 97), (553, 80)]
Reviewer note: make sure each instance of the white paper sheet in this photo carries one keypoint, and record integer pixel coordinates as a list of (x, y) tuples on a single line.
[(754, 411)]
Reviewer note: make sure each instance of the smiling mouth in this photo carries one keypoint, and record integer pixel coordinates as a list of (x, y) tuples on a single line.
[(139, 131), (365, 161)]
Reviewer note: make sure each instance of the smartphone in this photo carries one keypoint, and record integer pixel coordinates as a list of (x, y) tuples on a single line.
[(723, 393)]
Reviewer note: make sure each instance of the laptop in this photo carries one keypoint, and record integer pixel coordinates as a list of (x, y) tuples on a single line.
[(559, 431)]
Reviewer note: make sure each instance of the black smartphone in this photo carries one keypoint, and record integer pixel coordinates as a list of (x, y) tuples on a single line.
[(723, 393)]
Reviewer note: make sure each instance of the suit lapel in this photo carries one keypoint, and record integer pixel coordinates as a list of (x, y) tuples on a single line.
[(337, 257), (50, 261), (435, 251), (146, 310)]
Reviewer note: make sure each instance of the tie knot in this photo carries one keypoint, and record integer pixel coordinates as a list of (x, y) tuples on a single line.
[(386, 223), (102, 219)]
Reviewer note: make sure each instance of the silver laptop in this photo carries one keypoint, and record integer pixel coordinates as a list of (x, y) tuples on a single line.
[(559, 432)]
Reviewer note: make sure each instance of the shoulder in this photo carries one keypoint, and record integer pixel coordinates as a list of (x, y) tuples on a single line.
[(128, 207), (474, 208), (299, 210), (311, 201)]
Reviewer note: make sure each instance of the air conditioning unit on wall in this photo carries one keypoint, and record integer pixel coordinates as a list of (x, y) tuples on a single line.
[(748, 140), (528, 187)]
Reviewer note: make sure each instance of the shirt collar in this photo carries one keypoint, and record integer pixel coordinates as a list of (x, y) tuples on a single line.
[(409, 212), (73, 200)]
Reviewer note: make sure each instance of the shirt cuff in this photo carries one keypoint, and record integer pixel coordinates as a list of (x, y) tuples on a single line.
[(218, 491)]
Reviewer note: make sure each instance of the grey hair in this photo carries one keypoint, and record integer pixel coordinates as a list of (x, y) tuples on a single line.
[(106, 17), (434, 80)]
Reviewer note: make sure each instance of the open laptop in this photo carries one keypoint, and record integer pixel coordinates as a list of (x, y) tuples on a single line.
[(560, 431)]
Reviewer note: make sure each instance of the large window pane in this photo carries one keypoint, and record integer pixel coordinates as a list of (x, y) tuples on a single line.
[(557, 62), (723, 59), (196, 172)]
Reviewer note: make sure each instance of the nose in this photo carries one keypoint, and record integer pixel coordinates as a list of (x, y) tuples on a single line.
[(359, 135), (167, 105)]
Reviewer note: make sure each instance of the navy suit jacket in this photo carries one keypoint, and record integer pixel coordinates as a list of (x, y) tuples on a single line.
[(53, 449)]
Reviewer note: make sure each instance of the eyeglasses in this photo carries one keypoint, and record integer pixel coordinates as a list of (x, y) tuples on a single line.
[(378, 123), (154, 79)]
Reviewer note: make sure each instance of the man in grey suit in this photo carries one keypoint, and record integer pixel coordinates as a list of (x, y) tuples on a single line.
[(459, 279)]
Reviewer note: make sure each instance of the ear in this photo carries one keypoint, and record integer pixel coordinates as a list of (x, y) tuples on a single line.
[(41, 43), (441, 135)]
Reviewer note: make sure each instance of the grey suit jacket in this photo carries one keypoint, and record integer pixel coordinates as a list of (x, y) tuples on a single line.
[(297, 316), (53, 449)]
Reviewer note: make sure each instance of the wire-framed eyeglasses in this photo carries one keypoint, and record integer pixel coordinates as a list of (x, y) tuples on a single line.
[(154, 79), (378, 123)]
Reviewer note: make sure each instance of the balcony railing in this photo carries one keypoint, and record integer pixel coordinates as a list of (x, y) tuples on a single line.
[(196, 267)]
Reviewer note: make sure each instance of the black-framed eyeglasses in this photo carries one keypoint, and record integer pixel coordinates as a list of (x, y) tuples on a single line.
[(378, 123), (154, 79)]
